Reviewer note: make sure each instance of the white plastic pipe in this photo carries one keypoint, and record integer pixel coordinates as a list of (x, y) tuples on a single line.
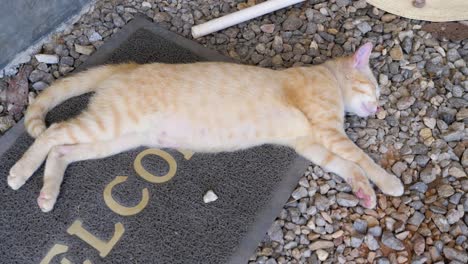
[(240, 16)]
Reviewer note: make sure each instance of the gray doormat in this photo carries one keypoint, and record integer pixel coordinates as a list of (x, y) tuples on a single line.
[(172, 224)]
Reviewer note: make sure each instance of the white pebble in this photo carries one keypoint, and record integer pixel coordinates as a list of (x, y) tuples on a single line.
[(322, 254), (146, 4), (47, 58), (95, 37), (324, 11), (210, 196)]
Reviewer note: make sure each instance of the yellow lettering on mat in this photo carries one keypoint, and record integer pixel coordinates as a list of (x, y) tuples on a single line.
[(118, 208), (54, 251), (103, 247), (142, 172)]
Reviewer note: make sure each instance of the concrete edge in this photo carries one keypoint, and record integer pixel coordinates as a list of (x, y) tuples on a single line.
[(7, 140), (24, 56)]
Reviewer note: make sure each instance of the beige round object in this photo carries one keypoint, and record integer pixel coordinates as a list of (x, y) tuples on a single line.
[(433, 10)]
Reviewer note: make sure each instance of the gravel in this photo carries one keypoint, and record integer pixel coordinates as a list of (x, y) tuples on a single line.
[(360, 226), (346, 199), (389, 240), (416, 219), (372, 243), (420, 135)]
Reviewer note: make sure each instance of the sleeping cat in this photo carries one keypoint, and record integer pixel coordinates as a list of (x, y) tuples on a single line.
[(209, 107)]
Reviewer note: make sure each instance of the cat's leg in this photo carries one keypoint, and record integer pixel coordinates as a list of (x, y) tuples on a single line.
[(61, 156), (346, 169), (56, 134), (338, 142)]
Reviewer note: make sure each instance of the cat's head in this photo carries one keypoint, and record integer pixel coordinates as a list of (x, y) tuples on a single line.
[(360, 88)]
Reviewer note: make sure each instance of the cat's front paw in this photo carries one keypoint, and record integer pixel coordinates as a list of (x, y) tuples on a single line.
[(391, 185), (364, 191), (46, 201)]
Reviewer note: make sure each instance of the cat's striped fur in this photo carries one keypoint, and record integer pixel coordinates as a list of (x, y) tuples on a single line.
[(209, 107)]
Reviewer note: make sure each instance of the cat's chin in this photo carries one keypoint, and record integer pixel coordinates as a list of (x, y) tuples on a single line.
[(363, 111)]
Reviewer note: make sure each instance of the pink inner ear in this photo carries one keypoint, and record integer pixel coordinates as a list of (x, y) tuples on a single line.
[(361, 57)]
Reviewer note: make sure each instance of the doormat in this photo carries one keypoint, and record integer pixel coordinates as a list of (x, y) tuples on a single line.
[(120, 209)]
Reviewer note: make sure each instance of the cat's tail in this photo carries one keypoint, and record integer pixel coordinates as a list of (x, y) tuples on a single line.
[(64, 89)]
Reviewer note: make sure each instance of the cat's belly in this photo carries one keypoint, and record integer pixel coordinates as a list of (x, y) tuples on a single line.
[(208, 135)]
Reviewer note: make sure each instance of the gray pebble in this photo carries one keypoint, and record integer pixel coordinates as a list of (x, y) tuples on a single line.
[(460, 240), (299, 193), (405, 103), (346, 199), (453, 216), (452, 135), (364, 27), (39, 86), (392, 242), (453, 55), (322, 202), (382, 260), (419, 260), (434, 69), (454, 254), (419, 186), (118, 21), (455, 199), (342, 3), (276, 233), (445, 190), (416, 219), (441, 222), (371, 242), (375, 231), (399, 167), (360, 226), (356, 241), (427, 175), (438, 209), (292, 23), (37, 75), (407, 45), (67, 60)]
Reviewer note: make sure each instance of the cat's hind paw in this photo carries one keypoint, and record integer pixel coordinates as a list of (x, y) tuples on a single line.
[(16, 178), (46, 201)]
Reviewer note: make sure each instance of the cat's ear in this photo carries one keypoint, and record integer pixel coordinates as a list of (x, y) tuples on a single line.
[(361, 56)]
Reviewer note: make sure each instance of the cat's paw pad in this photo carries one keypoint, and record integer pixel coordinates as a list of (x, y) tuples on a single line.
[(46, 201), (392, 186), (368, 200), (363, 190)]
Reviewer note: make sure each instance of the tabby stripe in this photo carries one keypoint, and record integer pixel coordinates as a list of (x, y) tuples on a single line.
[(70, 134), (97, 118), (132, 115), (83, 127), (329, 158), (333, 142), (357, 90), (117, 117)]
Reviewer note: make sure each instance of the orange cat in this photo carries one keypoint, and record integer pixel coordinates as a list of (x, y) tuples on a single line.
[(209, 107)]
